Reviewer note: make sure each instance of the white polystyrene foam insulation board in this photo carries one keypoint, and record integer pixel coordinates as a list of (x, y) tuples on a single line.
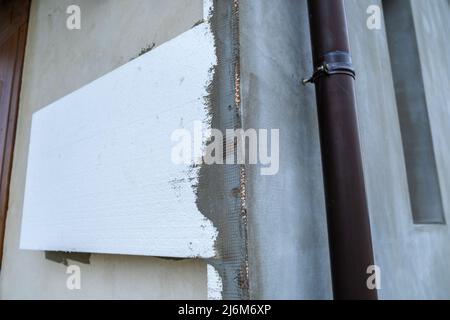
[(215, 286), (100, 176)]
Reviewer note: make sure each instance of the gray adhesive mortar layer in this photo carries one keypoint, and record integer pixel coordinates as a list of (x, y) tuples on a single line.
[(221, 188)]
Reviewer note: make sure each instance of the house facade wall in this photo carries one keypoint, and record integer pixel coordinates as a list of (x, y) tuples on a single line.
[(287, 245), (413, 258), (275, 55)]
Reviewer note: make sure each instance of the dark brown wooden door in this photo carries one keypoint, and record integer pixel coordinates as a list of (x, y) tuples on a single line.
[(13, 31)]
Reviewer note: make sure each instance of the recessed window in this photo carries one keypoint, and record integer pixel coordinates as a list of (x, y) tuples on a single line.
[(423, 181)]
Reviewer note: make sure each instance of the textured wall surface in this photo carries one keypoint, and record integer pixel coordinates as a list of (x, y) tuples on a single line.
[(288, 247), (413, 258), (59, 61), (288, 253)]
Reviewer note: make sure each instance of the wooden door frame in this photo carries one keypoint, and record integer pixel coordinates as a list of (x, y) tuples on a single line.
[(14, 16)]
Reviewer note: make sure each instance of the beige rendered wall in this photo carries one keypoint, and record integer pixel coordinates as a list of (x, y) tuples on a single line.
[(59, 61)]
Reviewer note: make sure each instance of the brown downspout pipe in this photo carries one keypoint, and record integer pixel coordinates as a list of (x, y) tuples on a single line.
[(347, 212)]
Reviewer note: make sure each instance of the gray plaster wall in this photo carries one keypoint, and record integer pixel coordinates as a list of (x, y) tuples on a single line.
[(414, 259), (288, 250), (59, 61), (288, 246)]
